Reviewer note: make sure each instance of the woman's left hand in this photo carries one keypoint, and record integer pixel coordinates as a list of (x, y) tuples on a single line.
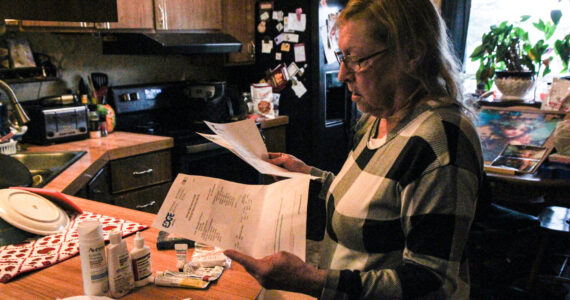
[(282, 271)]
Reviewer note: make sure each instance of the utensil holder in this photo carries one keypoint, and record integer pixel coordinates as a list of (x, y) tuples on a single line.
[(8, 148)]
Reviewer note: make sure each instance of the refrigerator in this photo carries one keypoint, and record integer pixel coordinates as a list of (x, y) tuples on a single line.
[(320, 119)]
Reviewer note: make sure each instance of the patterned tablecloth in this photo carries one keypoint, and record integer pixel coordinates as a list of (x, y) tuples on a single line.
[(52, 249)]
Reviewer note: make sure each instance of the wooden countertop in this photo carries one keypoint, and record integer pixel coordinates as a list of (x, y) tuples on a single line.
[(99, 151), (64, 279)]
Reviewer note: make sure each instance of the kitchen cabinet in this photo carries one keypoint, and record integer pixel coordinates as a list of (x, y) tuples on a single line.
[(140, 182), (133, 14), (238, 20), (188, 14)]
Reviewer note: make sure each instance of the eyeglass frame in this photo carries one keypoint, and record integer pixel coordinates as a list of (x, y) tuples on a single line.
[(341, 58)]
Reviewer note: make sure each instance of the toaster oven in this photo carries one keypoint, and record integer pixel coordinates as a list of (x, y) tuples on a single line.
[(58, 124)]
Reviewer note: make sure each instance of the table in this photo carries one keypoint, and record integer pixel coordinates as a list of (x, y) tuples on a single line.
[(64, 279), (530, 189)]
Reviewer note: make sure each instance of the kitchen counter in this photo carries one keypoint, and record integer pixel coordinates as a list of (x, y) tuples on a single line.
[(64, 279), (99, 152)]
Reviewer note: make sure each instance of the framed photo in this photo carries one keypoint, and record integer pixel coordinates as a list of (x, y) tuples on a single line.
[(521, 158), (21, 53), (499, 127)]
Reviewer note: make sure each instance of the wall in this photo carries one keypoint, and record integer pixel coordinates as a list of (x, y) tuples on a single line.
[(77, 55)]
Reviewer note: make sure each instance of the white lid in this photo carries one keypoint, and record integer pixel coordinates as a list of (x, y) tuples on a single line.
[(90, 229), (115, 236), (139, 240)]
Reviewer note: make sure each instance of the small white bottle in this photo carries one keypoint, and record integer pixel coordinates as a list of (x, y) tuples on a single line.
[(140, 256), (121, 279), (93, 263)]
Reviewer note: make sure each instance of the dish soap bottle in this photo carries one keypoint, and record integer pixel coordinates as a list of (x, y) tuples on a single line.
[(140, 256), (121, 280)]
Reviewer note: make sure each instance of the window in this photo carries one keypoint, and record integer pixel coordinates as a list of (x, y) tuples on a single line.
[(485, 13)]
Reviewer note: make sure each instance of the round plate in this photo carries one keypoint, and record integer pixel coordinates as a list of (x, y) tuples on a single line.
[(31, 212)]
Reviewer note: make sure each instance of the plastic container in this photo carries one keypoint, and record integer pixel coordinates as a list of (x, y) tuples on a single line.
[(140, 256), (121, 279), (93, 262)]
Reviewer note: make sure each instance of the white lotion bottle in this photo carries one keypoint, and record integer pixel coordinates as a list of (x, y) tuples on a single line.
[(140, 256), (121, 279), (93, 262)]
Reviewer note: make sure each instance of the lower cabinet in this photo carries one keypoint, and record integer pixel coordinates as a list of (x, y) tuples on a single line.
[(139, 182)]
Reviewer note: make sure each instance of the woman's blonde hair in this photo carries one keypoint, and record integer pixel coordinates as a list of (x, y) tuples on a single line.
[(416, 32)]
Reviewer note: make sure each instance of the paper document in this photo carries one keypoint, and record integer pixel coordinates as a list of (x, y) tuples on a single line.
[(243, 139), (257, 220)]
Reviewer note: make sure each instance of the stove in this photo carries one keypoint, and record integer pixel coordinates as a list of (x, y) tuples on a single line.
[(178, 110)]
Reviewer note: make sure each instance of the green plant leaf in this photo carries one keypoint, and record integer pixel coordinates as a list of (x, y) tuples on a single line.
[(525, 17), (480, 50)]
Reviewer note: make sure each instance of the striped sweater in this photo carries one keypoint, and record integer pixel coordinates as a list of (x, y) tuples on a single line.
[(399, 211)]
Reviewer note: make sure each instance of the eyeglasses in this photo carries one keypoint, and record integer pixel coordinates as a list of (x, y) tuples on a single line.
[(353, 63)]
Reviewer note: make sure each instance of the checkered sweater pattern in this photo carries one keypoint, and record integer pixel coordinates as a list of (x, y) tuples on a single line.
[(398, 215)]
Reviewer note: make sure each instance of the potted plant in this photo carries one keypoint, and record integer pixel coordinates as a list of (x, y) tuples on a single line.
[(508, 57)]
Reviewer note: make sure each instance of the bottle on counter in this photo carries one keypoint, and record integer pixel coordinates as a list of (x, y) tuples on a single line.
[(121, 279), (93, 262), (94, 130), (140, 256)]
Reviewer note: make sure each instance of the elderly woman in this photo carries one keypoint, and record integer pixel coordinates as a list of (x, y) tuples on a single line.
[(400, 209)]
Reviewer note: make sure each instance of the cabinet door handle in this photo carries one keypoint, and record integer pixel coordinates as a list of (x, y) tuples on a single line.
[(251, 49), (139, 173), (151, 203)]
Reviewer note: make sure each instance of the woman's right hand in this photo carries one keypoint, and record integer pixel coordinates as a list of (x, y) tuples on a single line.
[(288, 162)]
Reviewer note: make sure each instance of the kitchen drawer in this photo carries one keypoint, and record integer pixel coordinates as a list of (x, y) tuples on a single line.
[(140, 171), (147, 199)]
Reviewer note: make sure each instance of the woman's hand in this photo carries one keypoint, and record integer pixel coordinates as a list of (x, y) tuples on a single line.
[(288, 162), (282, 271)]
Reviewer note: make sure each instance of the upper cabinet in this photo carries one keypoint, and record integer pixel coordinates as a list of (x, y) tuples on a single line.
[(188, 14), (238, 19), (133, 14)]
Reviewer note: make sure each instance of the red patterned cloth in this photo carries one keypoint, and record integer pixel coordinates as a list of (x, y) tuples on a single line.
[(51, 249)]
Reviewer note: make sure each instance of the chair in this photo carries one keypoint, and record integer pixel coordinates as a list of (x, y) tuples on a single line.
[(499, 248), (554, 224)]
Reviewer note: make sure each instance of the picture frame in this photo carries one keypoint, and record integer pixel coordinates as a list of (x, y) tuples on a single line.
[(520, 159), (499, 127), (21, 54)]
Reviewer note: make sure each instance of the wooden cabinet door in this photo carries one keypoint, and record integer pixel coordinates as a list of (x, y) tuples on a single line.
[(139, 171), (238, 20), (133, 14), (188, 14)]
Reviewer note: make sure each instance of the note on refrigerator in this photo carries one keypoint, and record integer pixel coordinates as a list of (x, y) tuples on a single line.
[(258, 220)]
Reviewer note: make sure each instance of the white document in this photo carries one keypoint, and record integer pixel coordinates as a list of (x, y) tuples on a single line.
[(296, 22), (258, 220), (243, 139)]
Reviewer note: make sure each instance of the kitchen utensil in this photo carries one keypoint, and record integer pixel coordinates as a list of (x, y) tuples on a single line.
[(99, 80), (13, 172), (31, 212)]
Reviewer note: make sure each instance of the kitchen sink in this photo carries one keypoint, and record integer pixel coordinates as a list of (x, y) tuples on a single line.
[(45, 166)]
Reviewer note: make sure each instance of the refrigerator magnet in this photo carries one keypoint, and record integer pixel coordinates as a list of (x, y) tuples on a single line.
[(279, 27), (278, 15), (279, 39), (292, 69), (266, 46), (291, 37), (285, 47), (299, 50), (264, 16), (298, 87), (262, 27), (277, 55)]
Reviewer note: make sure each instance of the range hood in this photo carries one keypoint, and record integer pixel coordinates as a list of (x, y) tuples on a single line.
[(60, 10), (169, 43)]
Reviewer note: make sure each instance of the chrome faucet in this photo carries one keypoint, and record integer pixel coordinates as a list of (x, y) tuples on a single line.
[(21, 118)]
